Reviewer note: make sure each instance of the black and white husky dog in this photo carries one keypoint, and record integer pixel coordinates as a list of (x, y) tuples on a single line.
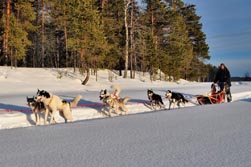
[(37, 108), (103, 95), (155, 99), (174, 98)]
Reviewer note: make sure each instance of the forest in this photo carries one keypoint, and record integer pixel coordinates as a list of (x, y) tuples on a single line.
[(128, 36)]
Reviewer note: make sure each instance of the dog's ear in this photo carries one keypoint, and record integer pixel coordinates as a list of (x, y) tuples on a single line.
[(105, 91), (46, 94)]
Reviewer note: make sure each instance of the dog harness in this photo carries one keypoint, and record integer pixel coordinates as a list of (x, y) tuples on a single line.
[(115, 95)]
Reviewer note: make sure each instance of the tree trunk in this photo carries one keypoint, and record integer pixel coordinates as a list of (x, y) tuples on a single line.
[(126, 2), (65, 37), (36, 56), (87, 77), (7, 31), (131, 43), (133, 61), (42, 31), (57, 53), (102, 11), (173, 5), (152, 21)]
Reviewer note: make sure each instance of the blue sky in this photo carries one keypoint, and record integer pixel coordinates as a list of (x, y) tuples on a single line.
[(227, 24)]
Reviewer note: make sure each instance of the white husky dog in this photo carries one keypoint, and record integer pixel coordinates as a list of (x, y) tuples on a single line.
[(54, 103)]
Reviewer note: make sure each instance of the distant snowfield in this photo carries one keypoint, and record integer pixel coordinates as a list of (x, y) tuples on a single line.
[(18, 83)]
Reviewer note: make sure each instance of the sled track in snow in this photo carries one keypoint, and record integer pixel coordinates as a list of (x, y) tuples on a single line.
[(93, 105)]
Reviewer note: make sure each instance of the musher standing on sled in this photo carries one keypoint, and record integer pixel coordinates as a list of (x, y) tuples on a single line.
[(223, 79)]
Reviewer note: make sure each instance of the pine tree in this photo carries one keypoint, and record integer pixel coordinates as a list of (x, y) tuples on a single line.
[(165, 35), (198, 39), (59, 22), (6, 22), (113, 23), (86, 34), (155, 20), (18, 23), (179, 46)]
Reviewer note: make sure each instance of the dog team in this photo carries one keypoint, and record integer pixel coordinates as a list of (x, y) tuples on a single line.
[(46, 104)]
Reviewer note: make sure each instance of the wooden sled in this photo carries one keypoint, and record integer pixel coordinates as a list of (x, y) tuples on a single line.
[(213, 97)]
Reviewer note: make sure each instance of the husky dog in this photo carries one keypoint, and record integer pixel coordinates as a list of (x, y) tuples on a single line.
[(103, 95), (113, 101), (54, 103), (175, 97), (116, 104), (155, 99), (36, 107)]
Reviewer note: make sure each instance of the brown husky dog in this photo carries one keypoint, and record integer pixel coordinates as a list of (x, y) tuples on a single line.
[(36, 107), (116, 104), (113, 101)]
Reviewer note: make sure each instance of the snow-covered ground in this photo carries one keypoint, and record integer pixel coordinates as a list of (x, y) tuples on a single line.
[(18, 83), (193, 136)]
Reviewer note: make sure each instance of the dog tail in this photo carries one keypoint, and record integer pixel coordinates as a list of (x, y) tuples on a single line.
[(126, 99), (75, 101), (116, 89)]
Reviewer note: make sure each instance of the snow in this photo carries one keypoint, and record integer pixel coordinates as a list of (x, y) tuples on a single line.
[(192, 136)]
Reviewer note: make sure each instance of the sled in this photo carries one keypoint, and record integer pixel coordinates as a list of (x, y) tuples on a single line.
[(213, 97)]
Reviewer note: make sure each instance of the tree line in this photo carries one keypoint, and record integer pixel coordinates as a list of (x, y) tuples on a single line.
[(125, 35)]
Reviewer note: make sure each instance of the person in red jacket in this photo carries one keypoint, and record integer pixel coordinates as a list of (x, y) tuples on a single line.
[(223, 79)]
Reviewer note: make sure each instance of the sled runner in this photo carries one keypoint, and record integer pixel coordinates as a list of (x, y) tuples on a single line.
[(213, 97)]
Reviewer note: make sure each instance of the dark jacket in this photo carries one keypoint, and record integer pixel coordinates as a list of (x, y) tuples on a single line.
[(223, 75)]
